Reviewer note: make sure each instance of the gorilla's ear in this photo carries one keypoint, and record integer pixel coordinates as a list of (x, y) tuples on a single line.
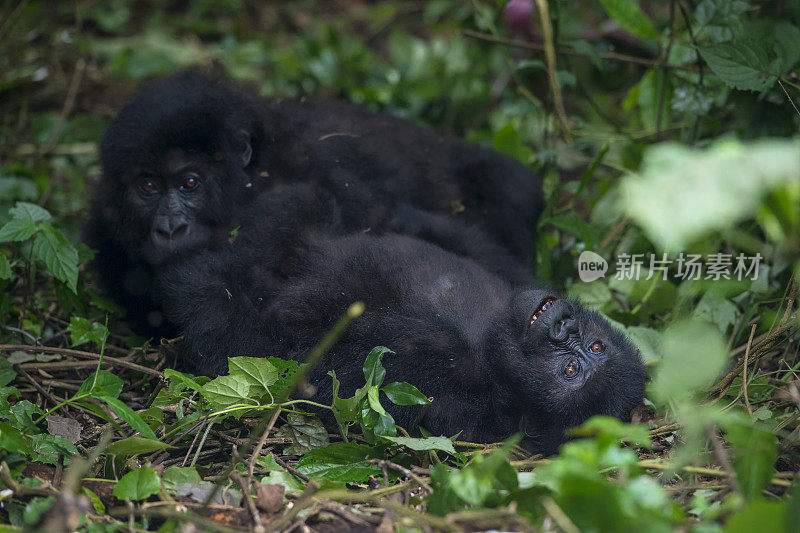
[(245, 147)]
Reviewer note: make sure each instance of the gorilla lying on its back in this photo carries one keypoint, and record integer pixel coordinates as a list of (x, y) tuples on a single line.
[(189, 151), (496, 359)]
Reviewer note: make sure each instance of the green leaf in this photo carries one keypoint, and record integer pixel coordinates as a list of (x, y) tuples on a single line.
[(256, 371), (754, 460), (428, 443), (129, 416), (507, 140), (693, 354), (135, 446), (401, 393), (611, 430), (28, 211), (374, 401), (47, 448), (630, 17), (670, 200), (286, 371), (743, 64), (373, 368), (97, 503), (172, 374), (7, 373), (759, 516), (175, 476), (137, 484), (58, 254), (226, 391), (12, 441), (82, 331), (5, 267), (306, 432), (17, 230), (341, 462), (107, 384)]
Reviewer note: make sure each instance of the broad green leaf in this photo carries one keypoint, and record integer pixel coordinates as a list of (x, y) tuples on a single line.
[(612, 430), (5, 267), (756, 450), (373, 368), (12, 441), (286, 371), (427, 443), (682, 194), (306, 432), (58, 254), (630, 17), (17, 230), (82, 331), (97, 503), (256, 371), (693, 354), (759, 516), (29, 211), (137, 484), (7, 373), (172, 374), (48, 448), (374, 401), (401, 393), (341, 462), (225, 391), (743, 64), (135, 446), (107, 384), (128, 415), (507, 140), (178, 475)]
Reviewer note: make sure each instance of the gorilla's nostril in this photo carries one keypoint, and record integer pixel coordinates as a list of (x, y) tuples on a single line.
[(180, 231)]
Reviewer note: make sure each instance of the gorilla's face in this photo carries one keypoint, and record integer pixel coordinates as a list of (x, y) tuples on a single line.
[(575, 364), (174, 203)]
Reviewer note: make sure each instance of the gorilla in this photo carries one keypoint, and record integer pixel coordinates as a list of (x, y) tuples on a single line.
[(496, 357), (190, 151)]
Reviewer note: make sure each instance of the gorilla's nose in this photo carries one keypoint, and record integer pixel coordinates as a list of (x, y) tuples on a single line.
[(563, 325), (170, 232)]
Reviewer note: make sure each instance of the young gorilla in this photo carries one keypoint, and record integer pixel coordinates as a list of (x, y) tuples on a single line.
[(189, 151), (496, 359)]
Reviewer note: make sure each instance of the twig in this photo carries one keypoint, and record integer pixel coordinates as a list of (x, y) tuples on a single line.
[(744, 373), (292, 470), (559, 515), (247, 492), (52, 399), (260, 446), (788, 97), (405, 471), (550, 57), (722, 456), (77, 353), (568, 51)]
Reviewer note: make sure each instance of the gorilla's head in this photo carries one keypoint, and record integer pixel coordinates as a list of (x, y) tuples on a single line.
[(570, 363), (175, 163)]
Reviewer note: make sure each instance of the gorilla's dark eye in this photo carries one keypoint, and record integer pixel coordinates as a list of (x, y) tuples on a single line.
[(596, 347), (191, 181), (572, 368), (147, 186)]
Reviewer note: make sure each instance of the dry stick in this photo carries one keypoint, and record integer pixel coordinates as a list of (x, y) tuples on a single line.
[(722, 456), (744, 372), (353, 312), (656, 465), (194, 440), (291, 469), (260, 446), (788, 97), (790, 300), (69, 103), (77, 353), (568, 51), (559, 515), (237, 478), (403, 470), (52, 399), (550, 57)]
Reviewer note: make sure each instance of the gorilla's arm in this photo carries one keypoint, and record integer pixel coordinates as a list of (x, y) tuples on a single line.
[(454, 236)]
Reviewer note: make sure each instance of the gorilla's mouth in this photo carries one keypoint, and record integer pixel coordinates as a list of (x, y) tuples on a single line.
[(546, 304)]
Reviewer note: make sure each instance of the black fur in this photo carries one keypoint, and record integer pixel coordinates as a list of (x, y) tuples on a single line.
[(380, 169), (460, 333)]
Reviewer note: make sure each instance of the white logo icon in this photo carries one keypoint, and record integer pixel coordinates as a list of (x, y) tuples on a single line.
[(591, 266)]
